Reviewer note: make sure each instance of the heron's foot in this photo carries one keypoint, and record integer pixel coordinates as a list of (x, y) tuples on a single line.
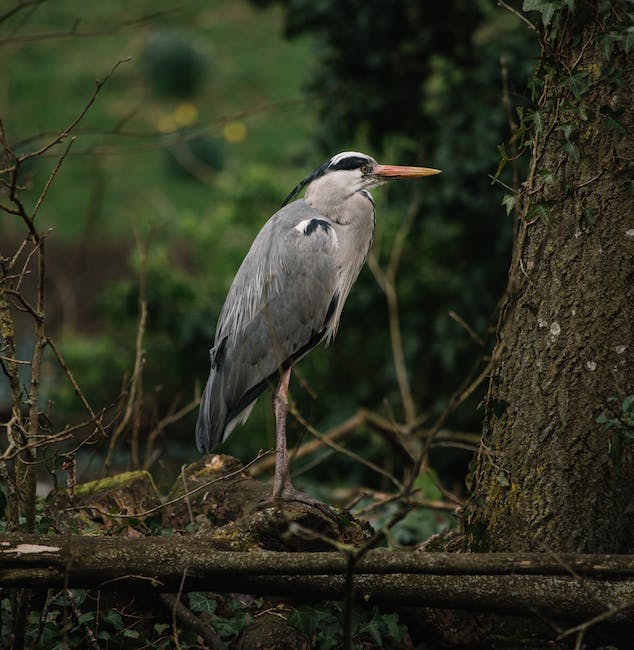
[(290, 494)]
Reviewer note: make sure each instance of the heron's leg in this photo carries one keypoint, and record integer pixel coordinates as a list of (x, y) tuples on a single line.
[(281, 479), (283, 489)]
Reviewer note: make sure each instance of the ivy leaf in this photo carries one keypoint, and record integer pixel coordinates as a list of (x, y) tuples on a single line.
[(200, 602), (545, 7), (538, 120), (85, 618), (607, 42), (567, 130), (508, 201), (501, 164), (570, 149), (616, 125), (539, 211), (49, 635), (373, 628), (229, 628), (114, 618), (502, 480), (394, 629), (548, 177), (579, 84)]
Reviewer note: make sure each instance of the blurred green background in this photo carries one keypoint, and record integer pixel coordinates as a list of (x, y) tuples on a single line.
[(194, 142)]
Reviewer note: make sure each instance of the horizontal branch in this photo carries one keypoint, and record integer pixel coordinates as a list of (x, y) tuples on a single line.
[(575, 586)]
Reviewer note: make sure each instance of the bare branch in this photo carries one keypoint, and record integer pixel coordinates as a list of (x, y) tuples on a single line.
[(93, 416), (467, 328), (163, 423), (161, 140), (51, 178), (99, 84), (521, 16), (190, 620), (342, 450), (139, 360), (352, 423), (74, 30), (23, 4), (387, 281)]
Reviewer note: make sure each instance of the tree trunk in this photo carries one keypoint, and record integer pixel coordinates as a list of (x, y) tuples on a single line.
[(555, 471)]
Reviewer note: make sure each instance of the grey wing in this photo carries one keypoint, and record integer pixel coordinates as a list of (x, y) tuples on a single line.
[(277, 309)]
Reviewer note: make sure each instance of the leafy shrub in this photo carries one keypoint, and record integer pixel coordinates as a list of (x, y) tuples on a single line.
[(175, 67)]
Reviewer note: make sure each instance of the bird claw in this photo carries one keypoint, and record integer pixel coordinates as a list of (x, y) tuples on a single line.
[(289, 495)]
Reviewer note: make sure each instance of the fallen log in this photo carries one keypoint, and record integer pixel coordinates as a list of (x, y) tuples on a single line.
[(569, 586)]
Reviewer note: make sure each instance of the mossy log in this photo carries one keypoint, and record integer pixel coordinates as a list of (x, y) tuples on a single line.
[(574, 587)]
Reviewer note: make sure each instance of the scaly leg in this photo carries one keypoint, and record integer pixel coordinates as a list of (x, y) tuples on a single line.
[(282, 479), (283, 489)]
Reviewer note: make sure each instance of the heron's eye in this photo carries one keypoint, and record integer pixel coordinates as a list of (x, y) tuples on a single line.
[(364, 169)]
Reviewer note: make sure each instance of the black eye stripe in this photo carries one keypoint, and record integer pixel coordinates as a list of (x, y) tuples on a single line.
[(351, 162), (346, 163)]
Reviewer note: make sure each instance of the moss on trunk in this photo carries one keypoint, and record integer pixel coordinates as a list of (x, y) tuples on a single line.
[(549, 475)]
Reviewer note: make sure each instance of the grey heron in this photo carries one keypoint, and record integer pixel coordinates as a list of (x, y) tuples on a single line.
[(288, 295)]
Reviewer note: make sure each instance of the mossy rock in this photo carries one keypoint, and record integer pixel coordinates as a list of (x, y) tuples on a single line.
[(228, 506), (95, 503), (272, 632), (291, 526), (220, 491)]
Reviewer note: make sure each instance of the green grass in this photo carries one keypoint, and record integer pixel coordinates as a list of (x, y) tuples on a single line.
[(251, 69)]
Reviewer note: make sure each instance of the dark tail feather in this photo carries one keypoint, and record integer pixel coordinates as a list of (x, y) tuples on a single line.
[(211, 416)]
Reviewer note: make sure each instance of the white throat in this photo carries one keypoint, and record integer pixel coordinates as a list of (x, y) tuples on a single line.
[(330, 193)]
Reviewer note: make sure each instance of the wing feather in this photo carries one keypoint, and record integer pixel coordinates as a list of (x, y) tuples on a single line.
[(277, 309)]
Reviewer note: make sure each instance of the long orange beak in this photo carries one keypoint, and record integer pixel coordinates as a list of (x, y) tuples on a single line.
[(398, 171)]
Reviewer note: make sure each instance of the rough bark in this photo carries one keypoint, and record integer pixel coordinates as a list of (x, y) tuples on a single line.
[(548, 475), (574, 587)]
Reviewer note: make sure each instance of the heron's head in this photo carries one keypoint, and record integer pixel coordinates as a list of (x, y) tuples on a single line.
[(349, 172)]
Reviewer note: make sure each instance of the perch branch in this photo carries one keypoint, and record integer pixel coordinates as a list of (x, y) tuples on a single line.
[(577, 586)]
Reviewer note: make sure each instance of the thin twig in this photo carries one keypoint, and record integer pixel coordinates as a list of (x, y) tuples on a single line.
[(163, 423), (22, 4), (342, 450), (387, 282), (175, 608), (162, 140), (600, 618), (137, 371), (521, 16), (352, 423), (82, 398), (65, 132), (92, 639), (51, 178), (192, 621), (467, 328), (74, 32)]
